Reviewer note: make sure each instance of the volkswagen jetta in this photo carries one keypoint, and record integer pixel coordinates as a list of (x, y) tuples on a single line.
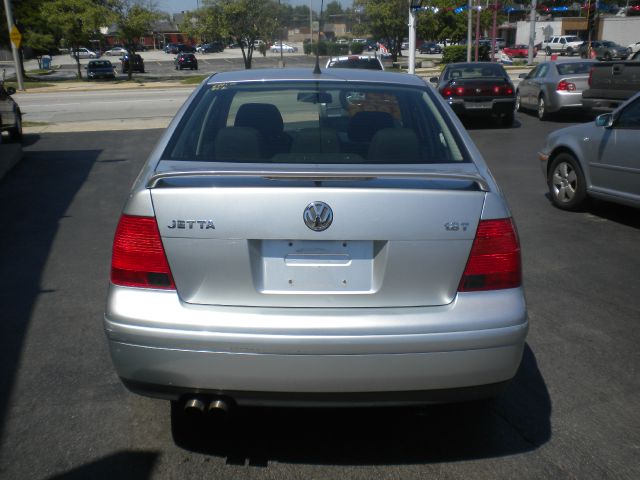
[(315, 239)]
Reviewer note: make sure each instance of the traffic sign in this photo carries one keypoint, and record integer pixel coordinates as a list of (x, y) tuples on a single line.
[(16, 37)]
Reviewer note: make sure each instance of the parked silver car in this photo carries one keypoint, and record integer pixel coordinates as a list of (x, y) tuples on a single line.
[(597, 159), (315, 239), (553, 86)]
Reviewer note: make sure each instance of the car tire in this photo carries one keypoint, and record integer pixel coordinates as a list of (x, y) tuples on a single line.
[(543, 114), (518, 105), (607, 57), (566, 182), (569, 51), (547, 51), (15, 133)]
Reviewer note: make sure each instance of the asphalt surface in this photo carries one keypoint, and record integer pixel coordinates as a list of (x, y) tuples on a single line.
[(573, 410)]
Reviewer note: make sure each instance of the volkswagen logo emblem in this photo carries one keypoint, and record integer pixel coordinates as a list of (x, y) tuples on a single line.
[(318, 216)]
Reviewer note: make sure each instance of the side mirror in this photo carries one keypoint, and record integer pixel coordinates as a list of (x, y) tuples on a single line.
[(10, 90), (523, 75), (605, 120), (433, 79)]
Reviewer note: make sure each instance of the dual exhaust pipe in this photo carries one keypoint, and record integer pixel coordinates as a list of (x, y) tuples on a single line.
[(198, 406)]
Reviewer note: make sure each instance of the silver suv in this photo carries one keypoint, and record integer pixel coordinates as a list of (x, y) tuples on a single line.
[(315, 239), (562, 44)]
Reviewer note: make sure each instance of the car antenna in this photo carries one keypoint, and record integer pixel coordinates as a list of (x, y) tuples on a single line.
[(316, 69)]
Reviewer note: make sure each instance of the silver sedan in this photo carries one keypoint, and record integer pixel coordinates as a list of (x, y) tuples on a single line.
[(597, 159), (553, 86), (321, 239)]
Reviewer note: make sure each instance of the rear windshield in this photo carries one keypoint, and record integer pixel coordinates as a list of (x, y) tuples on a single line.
[(486, 70), (312, 123), (365, 63), (100, 64), (574, 68)]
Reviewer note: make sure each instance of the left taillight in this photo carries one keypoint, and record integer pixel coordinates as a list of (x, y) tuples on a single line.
[(564, 86), (494, 262), (138, 258)]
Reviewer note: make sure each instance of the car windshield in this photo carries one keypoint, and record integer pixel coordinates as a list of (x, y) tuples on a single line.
[(486, 70), (574, 68), (312, 123), (364, 63)]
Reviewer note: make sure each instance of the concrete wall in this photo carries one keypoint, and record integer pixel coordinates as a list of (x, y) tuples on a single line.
[(552, 28), (622, 30)]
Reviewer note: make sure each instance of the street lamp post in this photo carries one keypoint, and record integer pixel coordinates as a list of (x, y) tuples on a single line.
[(414, 6), (281, 49), (469, 23)]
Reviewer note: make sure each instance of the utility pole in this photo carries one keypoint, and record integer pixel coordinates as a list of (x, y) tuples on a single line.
[(477, 42), (14, 44), (469, 27), (532, 32)]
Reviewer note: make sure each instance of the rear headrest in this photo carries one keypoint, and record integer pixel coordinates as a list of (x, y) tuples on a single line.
[(394, 145), (264, 117), (316, 140), (237, 144), (364, 125)]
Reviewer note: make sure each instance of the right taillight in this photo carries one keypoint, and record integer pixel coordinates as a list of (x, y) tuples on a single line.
[(138, 255), (494, 261)]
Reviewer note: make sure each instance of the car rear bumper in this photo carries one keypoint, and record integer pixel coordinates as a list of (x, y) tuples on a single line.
[(483, 108), (600, 105), (564, 101), (160, 347)]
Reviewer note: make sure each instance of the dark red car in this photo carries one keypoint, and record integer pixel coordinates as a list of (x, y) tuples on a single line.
[(518, 51), (186, 60), (478, 89)]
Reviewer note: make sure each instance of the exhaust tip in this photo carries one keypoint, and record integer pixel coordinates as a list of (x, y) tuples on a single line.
[(194, 406), (219, 407)]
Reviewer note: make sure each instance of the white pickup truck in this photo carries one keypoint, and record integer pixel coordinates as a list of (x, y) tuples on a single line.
[(562, 44)]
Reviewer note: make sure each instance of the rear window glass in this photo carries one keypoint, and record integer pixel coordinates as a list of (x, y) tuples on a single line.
[(100, 63), (486, 70), (364, 63), (574, 68), (312, 123)]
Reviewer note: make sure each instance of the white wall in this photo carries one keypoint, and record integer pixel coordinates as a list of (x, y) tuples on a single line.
[(522, 32), (622, 30)]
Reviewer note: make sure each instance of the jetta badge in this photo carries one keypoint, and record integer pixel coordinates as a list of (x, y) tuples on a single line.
[(318, 216)]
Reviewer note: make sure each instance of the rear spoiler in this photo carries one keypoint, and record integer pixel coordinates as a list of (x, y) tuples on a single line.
[(319, 176)]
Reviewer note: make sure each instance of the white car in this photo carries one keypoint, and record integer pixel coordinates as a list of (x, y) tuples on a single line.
[(116, 52), (285, 48), (83, 53)]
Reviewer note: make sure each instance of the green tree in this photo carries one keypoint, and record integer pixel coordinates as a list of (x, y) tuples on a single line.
[(387, 21), (76, 22), (333, 9), (133, 21), (244, 21)]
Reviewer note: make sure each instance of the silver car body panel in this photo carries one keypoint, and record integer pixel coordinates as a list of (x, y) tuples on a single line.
[(607, 156), (233, 326)]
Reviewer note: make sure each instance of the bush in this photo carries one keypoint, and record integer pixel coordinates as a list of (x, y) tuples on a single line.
[(357, 48), (458, 53), (312, 48), (336, 49)]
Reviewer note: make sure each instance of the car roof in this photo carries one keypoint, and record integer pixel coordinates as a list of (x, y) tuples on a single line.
[(306, 74)]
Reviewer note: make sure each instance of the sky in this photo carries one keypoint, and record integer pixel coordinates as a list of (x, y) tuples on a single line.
[(177, 6)]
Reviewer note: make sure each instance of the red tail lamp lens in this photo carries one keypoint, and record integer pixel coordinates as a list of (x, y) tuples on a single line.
[(563, 85), (494, 261), (138, 255)]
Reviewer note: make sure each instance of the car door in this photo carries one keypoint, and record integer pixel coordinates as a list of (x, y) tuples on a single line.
[(7, 117), (616, 170), (535, 84)]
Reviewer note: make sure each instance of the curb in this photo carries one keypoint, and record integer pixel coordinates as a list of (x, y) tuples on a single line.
[(10, 155)]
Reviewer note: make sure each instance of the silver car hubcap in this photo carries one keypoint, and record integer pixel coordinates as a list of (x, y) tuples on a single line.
[(565, 182), (541, 108)]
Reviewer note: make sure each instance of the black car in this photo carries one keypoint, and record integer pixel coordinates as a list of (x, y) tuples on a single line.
[(10, 116), (182, 48), (603, 50), (478, 89), (186, 60), (429, 48), (135, 62), (212, 47), (100, 69), (171, 48)]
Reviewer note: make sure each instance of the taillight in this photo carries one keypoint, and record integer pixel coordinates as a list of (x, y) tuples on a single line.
[(565, 86), (138, 255), (494, 261), (505, 90), (447, 92)]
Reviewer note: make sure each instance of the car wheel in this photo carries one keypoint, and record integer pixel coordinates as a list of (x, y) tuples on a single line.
[(518, 102), (15, 133), (607, 57), (548, 51), (569, 51), (566, 183), (542, 109)]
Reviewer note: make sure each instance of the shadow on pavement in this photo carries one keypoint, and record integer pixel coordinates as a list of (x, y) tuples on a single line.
[(33, 199), (518, 421), (122, 466)]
